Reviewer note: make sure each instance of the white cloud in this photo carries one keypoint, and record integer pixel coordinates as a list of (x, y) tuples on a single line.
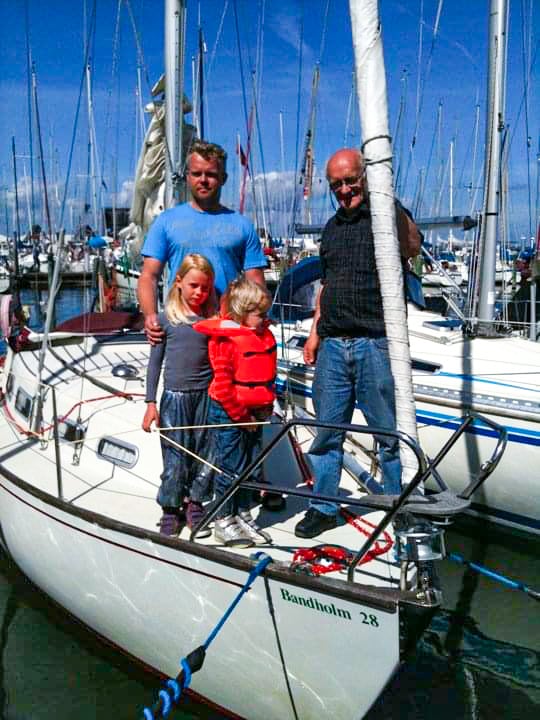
[(125, 194)]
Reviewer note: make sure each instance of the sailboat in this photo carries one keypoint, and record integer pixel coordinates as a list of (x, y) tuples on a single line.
[(78, 515), (461, 366)]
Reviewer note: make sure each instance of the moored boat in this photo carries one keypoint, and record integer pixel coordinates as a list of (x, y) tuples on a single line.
[(78, 479), (452, 375)]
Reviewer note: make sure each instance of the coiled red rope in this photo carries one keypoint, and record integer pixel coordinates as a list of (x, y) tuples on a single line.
[(322, 559)]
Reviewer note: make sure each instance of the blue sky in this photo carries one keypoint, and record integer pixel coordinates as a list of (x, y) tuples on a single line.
[(456, 81)]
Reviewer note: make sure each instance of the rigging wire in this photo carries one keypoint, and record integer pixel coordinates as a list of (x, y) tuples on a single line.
[(114, 76), (114, 168), (256, 96), (537, 195), (17, 223), (323, 34), (307, 172), (29, 110), (218, 37), (75, 123), (241, 63), (526, 58), (349, 115), (419, 58), (259, 52), (422, 87), (439, 159), (471, 146), (140, 52), (523, 97), (244, 92), (399, 130), (430, 158), (93, 144), (41, 158), (298, 102), (473, 143), (266, 200)]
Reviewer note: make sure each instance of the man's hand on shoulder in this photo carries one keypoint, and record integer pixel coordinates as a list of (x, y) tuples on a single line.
[(147, 293), (152, 328)]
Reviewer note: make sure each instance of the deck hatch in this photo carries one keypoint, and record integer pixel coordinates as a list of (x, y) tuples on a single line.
[(23, 403), (118, 452)]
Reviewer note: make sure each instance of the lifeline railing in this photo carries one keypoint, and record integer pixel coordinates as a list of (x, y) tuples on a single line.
[(425, 469), (37, 431)]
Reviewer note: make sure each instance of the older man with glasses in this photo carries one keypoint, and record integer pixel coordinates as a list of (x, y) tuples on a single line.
[(348, 338)]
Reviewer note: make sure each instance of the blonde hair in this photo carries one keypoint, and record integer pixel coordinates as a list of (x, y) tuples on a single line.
[(244, 296), (175, 309), (208, 151)]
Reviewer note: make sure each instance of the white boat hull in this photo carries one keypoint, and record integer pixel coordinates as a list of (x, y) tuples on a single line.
[(335, 643), (159, 600)]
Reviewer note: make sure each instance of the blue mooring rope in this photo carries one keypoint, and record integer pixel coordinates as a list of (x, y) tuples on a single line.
[(171, 693), (513, 584)]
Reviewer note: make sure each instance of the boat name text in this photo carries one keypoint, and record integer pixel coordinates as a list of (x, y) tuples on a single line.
[(314, 604)]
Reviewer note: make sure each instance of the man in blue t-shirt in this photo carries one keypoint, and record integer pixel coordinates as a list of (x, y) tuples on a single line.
[(203, 225)]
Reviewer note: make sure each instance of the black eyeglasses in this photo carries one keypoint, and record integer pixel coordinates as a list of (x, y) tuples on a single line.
[(352, 181)]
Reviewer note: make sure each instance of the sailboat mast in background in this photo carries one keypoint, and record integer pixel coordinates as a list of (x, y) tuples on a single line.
[(495, 127), (175, 33)]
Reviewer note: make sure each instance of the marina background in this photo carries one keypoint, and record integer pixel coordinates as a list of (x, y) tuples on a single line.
[(479, 658), (436, 60)]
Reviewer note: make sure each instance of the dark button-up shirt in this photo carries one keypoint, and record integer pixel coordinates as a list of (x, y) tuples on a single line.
[(351, 303)]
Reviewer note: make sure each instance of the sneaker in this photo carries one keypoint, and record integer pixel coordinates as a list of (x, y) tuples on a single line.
[(170, 524), (250, 527), (314, 523), (228, 531), (194, 515)]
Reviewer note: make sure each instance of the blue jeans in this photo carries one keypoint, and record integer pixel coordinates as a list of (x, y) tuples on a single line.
[(349, 372), (183, 476), (232, 449)]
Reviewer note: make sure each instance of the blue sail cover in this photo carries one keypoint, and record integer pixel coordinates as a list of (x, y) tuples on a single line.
[(296, 293)]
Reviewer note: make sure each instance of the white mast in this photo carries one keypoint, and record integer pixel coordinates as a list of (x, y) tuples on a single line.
[(451, 196), (372, 99), (495, 126), (92, 149), (175, 26)]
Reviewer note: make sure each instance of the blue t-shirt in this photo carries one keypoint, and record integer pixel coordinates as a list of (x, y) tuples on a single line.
[(224, 237)]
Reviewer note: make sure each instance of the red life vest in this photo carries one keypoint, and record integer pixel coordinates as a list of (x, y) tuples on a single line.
[(255, 359)]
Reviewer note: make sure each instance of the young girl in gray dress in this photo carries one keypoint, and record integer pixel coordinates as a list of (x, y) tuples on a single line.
[(187, 374)]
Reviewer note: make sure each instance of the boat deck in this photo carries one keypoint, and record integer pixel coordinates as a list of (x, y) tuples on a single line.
[(125, 493), (129, 498), (280, 525)]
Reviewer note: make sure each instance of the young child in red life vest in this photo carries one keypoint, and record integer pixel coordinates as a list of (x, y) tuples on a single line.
[(242, 353)]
